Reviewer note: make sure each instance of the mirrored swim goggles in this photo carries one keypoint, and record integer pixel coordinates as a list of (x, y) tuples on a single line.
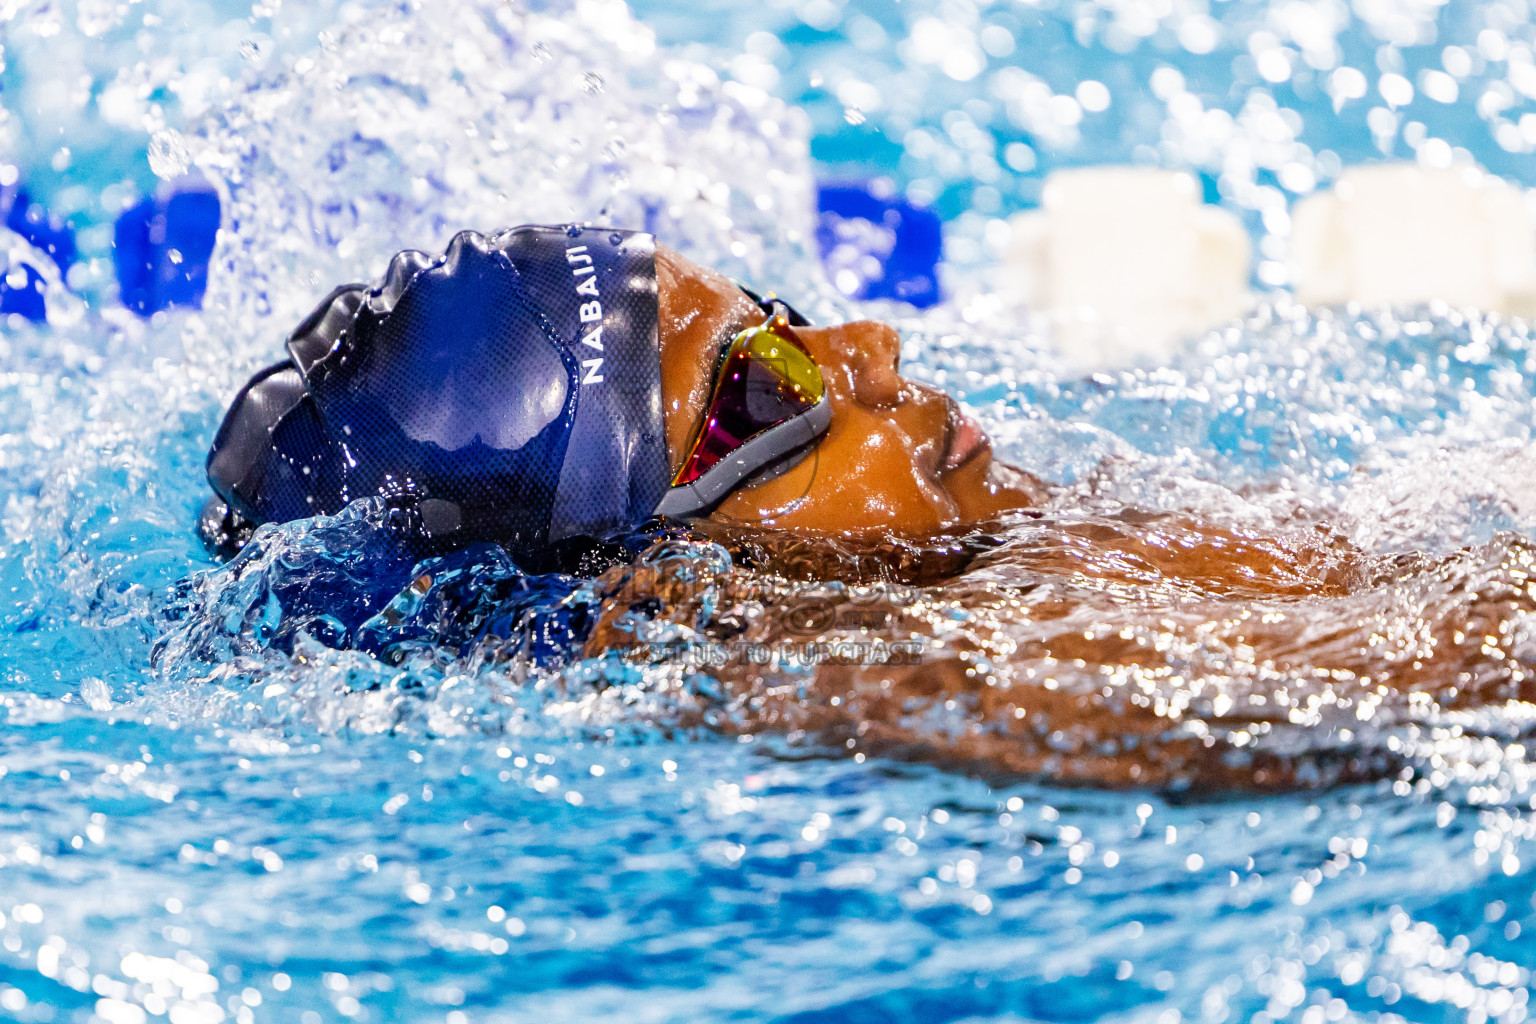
[(767, 406)]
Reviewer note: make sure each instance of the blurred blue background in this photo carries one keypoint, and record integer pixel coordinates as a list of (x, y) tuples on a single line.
[(956, 107)]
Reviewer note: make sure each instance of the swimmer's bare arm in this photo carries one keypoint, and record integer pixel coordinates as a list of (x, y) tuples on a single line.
[(954, 706), (1152, 651), (946, 712)]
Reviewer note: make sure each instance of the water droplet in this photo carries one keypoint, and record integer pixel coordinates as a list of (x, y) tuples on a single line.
[(168, 156), (592, 83), (615, 239), (540, 52), (249, 51), (574, 230)]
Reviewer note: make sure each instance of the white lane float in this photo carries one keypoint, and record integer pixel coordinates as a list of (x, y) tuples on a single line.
[(1125, 262), (1397, 234)]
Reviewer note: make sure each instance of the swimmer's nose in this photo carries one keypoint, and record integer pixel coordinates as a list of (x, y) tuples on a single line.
[(870, 352)]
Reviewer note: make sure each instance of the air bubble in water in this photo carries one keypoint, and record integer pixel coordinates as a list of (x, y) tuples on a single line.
[(168, 155)]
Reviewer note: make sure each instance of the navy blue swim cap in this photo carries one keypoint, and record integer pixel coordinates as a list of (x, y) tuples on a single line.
[(509, 389)]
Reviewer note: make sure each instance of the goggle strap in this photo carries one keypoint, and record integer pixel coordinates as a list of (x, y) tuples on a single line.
[(726, 475), (774, 306)]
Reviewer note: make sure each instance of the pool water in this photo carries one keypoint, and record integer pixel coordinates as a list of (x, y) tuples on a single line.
[(210, 813)]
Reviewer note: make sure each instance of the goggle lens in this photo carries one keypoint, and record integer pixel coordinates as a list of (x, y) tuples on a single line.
[(767, 378)]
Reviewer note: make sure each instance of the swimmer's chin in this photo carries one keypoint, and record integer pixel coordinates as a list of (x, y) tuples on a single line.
[(983, 488)]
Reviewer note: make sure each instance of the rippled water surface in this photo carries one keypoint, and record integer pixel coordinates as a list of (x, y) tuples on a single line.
[(324, 784)]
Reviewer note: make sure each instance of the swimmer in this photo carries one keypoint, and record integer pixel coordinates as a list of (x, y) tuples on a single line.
[(552, 383), (547, 385)]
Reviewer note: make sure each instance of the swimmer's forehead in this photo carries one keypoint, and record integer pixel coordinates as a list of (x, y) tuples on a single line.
[(697, 310), (692, 296)]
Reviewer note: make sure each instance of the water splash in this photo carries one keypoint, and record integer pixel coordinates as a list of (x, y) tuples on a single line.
[(510, 807)]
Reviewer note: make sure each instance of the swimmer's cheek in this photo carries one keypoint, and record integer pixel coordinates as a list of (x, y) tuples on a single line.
[(768, 502), (798, 502), (862, 478)]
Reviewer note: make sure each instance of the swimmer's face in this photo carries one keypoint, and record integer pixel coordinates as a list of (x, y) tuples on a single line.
[(898, 458)]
